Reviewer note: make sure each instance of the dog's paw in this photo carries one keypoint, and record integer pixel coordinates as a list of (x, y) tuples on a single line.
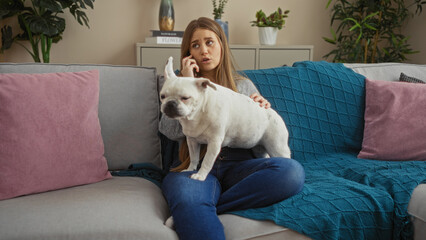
[(198, 176)]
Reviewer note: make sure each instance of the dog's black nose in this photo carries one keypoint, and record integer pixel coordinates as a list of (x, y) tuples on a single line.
[(171, 109)]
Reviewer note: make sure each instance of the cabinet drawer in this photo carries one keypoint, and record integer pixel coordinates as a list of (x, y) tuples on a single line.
[(157, 57), (244, 58)]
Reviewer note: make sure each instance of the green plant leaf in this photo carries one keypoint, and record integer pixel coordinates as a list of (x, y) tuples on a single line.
[(333, 33), (82, 18), (370, 16), (359, 38), (9, 8), (370, 27), (6, 38), (48, 25), (329, 40), (56, 38), (328, 4), (352, 20), (50, 5), (354, 27)]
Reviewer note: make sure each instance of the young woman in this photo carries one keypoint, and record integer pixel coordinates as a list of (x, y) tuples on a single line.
[(238, 179)]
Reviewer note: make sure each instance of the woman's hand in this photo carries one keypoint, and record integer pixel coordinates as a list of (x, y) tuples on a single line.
[(258, 98), (188, 66)]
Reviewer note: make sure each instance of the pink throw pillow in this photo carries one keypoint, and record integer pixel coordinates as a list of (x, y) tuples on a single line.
[(395, 121), (50, 136)]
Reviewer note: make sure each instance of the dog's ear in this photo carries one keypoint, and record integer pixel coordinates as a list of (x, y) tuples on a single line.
[(168, 70), (204, 83)]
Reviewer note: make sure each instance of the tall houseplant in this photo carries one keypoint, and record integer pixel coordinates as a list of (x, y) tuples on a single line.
[(369, 31), (40, 23)]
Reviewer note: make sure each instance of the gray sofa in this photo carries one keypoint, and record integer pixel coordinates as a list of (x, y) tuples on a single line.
[(133, 207)]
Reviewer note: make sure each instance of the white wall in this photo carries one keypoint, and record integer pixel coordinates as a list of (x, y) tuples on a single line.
[(116, 26)]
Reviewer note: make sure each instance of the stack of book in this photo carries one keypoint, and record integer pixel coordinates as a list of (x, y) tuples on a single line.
[(165, 37)]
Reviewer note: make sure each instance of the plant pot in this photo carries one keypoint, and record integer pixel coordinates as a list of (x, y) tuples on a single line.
[(224, 26), (268, 35)]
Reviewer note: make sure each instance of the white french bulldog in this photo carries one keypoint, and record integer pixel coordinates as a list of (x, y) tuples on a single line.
[(217, 116)]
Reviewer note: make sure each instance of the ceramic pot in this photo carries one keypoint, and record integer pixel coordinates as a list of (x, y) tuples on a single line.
[(166, 18), (224, 25), (268, 35)]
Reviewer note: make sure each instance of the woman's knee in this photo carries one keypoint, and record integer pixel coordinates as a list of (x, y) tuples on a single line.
[(193, 205), (180, 190), (289, 175)]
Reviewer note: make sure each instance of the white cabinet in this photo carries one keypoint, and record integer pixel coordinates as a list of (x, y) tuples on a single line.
[(246, 56), (154, 55)]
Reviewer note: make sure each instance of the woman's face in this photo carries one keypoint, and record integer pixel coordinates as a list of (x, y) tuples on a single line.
[(205, 48)]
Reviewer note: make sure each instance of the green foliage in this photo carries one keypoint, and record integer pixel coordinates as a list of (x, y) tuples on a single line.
[(275, 19), (218, 9), (40, 23), (369, 31)]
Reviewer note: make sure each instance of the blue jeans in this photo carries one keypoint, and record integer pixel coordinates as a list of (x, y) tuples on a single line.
[(231, 185)]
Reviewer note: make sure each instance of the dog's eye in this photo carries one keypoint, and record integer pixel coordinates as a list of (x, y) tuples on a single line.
[(163, 96), (185, 98)]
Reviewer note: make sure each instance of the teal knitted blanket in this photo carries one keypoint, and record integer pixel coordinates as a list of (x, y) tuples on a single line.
[(344, 197)]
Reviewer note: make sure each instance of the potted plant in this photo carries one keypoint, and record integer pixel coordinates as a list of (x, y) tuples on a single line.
[(370, 31), (40, 23), (217, 14), (269, 25)]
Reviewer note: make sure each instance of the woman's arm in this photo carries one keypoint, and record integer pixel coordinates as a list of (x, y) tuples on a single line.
[(171, 128), (246, 87)]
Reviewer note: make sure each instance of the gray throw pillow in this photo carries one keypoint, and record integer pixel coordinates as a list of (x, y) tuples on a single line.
[(405, 78)]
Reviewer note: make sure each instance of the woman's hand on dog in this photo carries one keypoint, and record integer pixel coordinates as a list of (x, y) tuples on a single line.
[(261, 100)]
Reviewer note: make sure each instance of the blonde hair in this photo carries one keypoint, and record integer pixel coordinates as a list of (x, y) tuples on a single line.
[(226, 75)]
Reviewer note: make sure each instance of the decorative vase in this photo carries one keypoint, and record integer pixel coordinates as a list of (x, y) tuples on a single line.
[(166, 18), (224, 26), (268, 35)]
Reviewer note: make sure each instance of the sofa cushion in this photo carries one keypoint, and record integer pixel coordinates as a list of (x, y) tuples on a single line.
[(237, 227), (50, 132), (118, 208), (394, 121), (388, 71), (128, 109), (417, 210)]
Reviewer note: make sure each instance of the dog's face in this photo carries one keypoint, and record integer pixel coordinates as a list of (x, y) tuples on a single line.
[(182, 96)]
